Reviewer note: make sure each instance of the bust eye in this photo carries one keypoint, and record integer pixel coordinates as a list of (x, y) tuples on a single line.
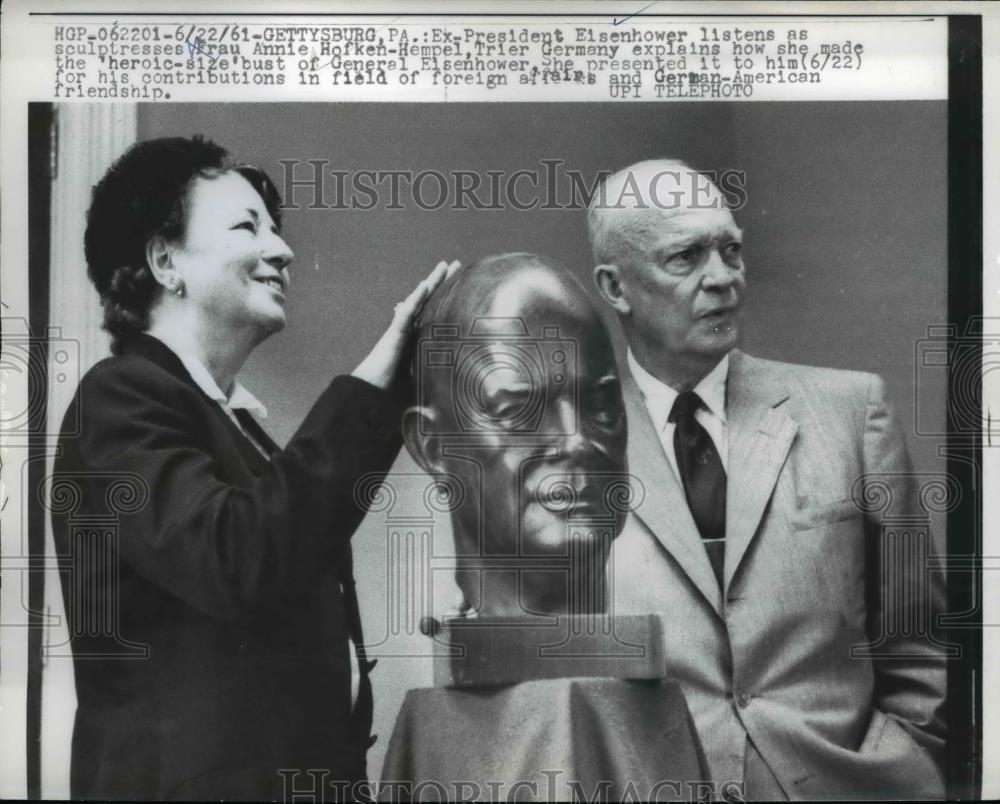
[(248, 225), (608, 418), (604, 407), (503, 408)]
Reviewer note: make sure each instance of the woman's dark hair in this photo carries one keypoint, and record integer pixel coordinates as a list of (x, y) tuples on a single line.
[(144, 194)]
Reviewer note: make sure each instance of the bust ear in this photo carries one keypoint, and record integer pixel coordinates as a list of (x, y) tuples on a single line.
[(608, 279), (421, 439)]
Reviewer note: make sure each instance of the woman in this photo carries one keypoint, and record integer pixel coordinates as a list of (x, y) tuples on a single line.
[(213, 642)]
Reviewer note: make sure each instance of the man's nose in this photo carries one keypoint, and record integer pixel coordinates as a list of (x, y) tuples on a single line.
[(717, 273)]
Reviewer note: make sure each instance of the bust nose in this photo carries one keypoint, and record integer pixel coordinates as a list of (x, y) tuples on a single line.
[(574, 439)]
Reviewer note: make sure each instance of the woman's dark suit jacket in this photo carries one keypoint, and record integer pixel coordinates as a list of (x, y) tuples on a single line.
[(203, 585)]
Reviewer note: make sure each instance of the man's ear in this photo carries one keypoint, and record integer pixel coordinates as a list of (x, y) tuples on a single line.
[(422, 442), (607, 277), (159, 261)]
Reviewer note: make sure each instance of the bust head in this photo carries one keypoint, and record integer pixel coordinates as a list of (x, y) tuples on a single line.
[(519, 416)]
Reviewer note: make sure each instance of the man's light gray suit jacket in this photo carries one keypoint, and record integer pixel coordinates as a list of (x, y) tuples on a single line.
[(770, 655)]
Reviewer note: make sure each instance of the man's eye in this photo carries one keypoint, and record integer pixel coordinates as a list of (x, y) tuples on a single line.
[(248, 225), (683, 261), (734, 249)]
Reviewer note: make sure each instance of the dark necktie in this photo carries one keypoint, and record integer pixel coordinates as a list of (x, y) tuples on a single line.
[(702, 475)]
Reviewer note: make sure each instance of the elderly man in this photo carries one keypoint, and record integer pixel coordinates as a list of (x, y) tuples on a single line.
[(780, 622)]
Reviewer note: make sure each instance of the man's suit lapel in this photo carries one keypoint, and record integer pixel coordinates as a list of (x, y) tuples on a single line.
[(659, 499), (760, 436)]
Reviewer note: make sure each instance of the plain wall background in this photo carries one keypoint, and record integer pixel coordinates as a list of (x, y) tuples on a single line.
[(845, 222)]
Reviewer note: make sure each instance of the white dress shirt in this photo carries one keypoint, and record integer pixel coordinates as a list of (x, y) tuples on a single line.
[(659, 399), (240, 398)]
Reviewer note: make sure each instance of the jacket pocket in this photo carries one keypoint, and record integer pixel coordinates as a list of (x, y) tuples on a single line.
[(814, 516), (907, 762)]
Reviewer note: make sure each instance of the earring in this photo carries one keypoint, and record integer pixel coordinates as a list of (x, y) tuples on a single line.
[(177, 285)]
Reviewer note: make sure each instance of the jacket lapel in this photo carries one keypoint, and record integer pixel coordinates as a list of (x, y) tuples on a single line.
[(155, 350), (256, 462), (258, 433), (659, 498), (760, 436)]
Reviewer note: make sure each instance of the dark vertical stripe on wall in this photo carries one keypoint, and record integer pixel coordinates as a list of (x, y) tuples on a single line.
[(965, 287), (40, 122)]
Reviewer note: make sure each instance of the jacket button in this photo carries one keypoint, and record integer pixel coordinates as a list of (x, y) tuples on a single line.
[(743, 698)]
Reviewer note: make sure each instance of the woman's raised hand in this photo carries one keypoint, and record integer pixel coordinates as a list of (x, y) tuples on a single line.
[(383, 364)]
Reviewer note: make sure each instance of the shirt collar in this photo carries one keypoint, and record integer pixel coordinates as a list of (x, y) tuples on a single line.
[(238, 398), (659, 397)]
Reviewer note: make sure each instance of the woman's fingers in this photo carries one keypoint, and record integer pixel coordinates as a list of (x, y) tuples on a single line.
[(382, 364), (408, 309)]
